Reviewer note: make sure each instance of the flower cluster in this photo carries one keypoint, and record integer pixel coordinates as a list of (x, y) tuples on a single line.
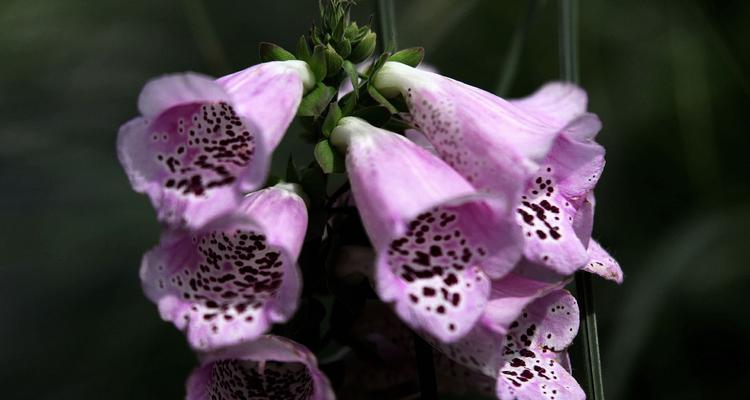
[(477, 210)]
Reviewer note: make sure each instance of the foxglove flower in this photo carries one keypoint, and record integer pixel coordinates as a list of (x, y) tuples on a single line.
[(538, 152), (529, 361), (536, 365), (437, 241), (270, 367), (230, 280), (200, 144)]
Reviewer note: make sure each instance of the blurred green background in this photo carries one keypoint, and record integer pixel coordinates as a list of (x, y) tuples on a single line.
[(670, 80)]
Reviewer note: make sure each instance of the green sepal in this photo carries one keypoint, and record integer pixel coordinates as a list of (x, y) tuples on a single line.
[(396, 125), (375, 66), (361, 33), (375, 115), (344, 48), (338, 30), (315, 102), (377, 96), (364, 49), (333, 61), (352, 31), (411, 57), (332, 119), (274, 52), (318, 63), (328, 158), (303, 50), (351, 72)]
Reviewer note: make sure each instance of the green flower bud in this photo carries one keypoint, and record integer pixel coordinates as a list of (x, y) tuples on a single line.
[(364, 49)]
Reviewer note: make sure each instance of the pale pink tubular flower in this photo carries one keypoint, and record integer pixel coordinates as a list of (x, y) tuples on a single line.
[(438, 241), (539, 152), (200, 143), (528, 361), (270, 367), (231, 280)]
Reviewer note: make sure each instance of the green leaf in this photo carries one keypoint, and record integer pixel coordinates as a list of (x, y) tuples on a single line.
[(274, 52), (377, 96), (315, 102), (332, 119), (396, 125), (318, 63), (379, 62), (338, 30), (303, 50), (351, 72), (328, 158), (364, 49), (411, 57)]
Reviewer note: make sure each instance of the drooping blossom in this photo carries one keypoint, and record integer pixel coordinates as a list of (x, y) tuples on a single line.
[(438, 241), (230, 280), (539, 152), (270, 367), (200, 143), (529, 361)]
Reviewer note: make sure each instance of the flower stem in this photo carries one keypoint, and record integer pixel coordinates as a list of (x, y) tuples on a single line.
[(569, 40), (515, 48), (386, 16), (589, 336)]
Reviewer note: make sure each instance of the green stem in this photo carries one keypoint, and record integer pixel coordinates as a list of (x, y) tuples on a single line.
[(584, 289), (569, 40), (386, 16), (589, 337), (517, 43)]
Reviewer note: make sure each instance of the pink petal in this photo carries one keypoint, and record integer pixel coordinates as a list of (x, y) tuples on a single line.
[(510, 295), (231, 280), (491, 142), (268, 95), (169, 91), (549, 212), (602, 264), (437, 240), (559, 101), (201, 143), (532, 351), (270, 367)]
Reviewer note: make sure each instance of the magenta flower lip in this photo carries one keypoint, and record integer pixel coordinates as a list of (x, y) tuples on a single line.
[(231, 280), (200, 144), (438, 240), (270, 367)]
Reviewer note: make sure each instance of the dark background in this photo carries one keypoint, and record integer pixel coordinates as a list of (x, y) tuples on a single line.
[(668, 78)]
